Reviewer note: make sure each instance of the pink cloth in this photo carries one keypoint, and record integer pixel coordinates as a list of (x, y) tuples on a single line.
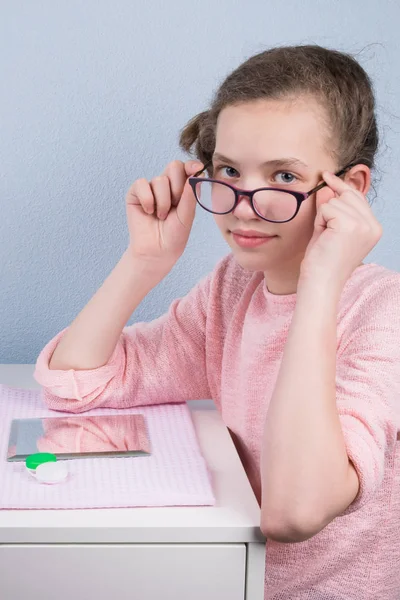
[(224, 340), (175, 474)]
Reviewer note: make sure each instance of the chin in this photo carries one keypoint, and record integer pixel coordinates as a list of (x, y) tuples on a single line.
[(253, 260)]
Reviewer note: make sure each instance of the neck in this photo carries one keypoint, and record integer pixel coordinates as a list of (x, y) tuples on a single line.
[(284, 281)]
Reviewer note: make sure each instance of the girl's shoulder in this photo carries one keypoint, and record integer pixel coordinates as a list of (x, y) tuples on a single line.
[(372, 290), (371, 287), (371, 278)]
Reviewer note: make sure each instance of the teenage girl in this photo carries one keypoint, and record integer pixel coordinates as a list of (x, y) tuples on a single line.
[(292, 335)]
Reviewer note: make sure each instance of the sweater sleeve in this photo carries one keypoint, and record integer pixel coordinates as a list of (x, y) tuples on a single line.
[(368, 387), (157, 362)]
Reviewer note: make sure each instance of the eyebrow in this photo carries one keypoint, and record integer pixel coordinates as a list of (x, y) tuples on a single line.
[(277, 162)]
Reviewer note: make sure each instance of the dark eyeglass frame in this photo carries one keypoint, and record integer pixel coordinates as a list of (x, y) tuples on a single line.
[(300, 196)]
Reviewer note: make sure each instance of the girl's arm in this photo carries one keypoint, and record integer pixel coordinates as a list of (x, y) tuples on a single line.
[(152, 363), (307, 478), (90, 340), (94, 362), (331, 419), (160, 216)]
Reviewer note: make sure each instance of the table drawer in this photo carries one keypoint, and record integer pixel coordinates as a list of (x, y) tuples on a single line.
[(123, 572)]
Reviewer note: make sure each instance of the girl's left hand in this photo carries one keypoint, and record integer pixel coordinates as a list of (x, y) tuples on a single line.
[(345, 231)]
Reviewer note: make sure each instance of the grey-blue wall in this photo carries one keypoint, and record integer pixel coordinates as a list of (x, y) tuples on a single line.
[(93, 95)]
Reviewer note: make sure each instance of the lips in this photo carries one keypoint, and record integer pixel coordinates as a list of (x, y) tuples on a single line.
[(251, 234), (249, 239)]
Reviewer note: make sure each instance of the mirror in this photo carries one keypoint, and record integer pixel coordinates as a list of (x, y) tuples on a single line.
[(79, 436)]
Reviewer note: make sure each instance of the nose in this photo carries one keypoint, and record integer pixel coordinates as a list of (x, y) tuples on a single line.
[(244, 211)]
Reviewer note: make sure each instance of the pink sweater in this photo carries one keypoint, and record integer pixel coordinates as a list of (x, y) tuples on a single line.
[(224, 340)]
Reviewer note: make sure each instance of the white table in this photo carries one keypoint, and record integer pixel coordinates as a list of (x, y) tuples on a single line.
[(208, 553)]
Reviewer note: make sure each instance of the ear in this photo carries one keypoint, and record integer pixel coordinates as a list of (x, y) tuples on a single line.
[(359, 177)]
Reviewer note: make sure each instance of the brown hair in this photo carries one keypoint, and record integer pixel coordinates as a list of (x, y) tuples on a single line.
[(334, 78)]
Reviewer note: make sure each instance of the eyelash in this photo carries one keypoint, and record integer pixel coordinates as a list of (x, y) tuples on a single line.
[(219, 167)]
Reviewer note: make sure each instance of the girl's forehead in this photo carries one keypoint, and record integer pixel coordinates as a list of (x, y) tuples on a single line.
[(272, 115), (271, 129)]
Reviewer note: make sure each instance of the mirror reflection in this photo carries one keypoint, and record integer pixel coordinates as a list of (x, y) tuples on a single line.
[(79, 436)]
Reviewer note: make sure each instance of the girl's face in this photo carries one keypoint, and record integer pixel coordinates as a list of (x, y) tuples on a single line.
[(272, 144)]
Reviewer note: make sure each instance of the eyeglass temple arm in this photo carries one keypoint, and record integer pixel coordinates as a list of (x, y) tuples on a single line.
[(203, 169), (338, 174)]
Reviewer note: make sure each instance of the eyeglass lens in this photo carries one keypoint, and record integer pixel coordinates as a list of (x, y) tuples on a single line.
[(270, 204)]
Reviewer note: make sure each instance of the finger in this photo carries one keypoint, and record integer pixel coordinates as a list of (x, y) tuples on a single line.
[(334, 218), (162, 195), (324, 195), (347, 208), (350, 195), (336, 214), (175, 172), (186, 208), (340, 186), (355, 199), (359, 202), (192, 166), (140, 194), (335, 183), (327, 214)]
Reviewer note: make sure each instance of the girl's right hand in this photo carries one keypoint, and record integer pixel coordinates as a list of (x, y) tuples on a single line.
[(160, 213)]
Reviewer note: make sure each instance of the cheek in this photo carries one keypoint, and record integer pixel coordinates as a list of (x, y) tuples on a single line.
[(305, 218), (297, 233)]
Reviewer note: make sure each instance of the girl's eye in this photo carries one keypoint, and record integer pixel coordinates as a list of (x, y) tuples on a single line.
[(286, 177), (227, 171)]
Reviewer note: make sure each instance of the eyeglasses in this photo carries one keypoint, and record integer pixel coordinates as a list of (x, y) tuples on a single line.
[(271, 204)]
